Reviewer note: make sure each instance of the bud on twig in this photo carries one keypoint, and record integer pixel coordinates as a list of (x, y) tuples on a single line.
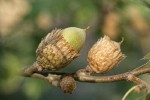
[(68, 84)]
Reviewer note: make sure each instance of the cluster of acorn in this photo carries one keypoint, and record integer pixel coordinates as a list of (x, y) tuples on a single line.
[(61, 46)]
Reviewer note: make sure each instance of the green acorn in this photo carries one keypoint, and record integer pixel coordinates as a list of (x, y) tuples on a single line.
[(59, 48)]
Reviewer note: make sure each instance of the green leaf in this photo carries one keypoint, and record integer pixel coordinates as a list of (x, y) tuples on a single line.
[(146, 57), (148, 63), (131, 94)]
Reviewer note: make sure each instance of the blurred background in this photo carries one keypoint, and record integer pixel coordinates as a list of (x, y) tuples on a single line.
[(23, 23)]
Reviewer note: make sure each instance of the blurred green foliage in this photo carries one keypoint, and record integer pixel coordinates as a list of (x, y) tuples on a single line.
[(23, 23)]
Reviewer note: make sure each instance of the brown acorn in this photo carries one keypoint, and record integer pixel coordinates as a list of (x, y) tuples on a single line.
[(105, 55), (68, 84), (59, 48)]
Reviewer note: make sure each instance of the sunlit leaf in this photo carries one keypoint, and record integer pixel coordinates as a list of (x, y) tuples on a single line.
[(12, 80), (33, 88)]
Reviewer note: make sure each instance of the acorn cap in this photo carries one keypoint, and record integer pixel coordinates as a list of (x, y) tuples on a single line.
[(105, 55), (56, 51)]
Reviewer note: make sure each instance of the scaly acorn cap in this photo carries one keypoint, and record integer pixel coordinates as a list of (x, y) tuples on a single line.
[(105, 55), (59, 48)]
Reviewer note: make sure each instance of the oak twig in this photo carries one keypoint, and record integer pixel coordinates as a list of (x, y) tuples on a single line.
[(85, 75)]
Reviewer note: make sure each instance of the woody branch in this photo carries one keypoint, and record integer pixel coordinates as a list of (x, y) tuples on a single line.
[(85, 75)]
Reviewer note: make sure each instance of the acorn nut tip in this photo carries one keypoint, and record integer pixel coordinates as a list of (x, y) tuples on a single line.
[(75, 37)]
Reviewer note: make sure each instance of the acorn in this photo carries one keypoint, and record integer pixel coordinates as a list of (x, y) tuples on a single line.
[(59, 48), (105, 55), (68, 84)]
